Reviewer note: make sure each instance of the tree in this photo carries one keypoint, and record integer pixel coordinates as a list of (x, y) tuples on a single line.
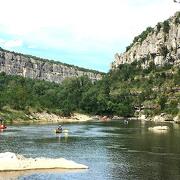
[(162, 101), (166, 26)]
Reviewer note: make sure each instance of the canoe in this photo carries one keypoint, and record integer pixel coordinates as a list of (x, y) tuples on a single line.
[(2, 126), (58, 130)]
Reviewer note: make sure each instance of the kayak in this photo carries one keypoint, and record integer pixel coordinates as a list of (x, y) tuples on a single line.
[(58, 130), (61, 131), (3, 126)]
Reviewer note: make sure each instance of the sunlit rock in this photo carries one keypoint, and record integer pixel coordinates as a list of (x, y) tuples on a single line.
[(42, 69), (11, 161), (159, 46)]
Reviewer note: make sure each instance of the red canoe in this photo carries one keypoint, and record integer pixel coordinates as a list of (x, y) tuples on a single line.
[(2, 126)]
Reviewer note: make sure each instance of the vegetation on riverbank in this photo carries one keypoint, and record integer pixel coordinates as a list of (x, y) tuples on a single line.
[(152, 91), (127, 91)]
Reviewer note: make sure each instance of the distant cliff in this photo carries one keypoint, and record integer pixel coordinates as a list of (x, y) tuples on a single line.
[(160, 45), (37, 68)]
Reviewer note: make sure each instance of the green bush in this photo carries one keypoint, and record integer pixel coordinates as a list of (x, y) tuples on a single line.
[(166, 26), (164, 51), (177, 20), (158, 28)]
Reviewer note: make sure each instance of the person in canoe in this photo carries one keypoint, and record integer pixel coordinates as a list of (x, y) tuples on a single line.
[(2, 125), (59, 129)]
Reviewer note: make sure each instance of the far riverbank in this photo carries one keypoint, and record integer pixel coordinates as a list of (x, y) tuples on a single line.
[(11, 116)]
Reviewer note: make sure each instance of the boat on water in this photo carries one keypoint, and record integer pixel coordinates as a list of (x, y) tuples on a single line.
[(61, 130), (65, 131), (2, 125), (58, 131)]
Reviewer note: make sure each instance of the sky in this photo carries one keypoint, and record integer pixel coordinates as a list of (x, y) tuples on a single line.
[(86, 33)]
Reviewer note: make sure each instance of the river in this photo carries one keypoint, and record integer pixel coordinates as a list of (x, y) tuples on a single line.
[(112, 150)]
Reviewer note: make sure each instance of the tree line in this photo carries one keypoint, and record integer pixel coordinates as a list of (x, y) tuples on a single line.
[(121, 92)]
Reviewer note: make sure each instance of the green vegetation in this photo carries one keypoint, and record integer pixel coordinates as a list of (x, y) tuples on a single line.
[(158, 28), (166, 26), (121, 92), (30, 95), (164, 51)]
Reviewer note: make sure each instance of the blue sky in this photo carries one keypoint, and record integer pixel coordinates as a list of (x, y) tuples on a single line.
[(86, 33)]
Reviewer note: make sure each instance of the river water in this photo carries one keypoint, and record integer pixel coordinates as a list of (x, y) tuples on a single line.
[(112, 150)]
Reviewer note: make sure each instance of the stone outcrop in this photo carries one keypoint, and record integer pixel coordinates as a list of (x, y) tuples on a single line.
[(36, 68), (160, 45), (15, 162)]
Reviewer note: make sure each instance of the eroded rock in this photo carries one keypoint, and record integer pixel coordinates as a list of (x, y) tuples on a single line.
[(159, 46)]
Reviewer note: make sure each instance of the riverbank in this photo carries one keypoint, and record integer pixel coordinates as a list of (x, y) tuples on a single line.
[(157, 118), (18, 117), (46, 117)]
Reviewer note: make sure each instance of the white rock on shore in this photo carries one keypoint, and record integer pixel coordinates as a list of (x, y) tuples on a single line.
[(142, 117), (11, 161), (176, 119)]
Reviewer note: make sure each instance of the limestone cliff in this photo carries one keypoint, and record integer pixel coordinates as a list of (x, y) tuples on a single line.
[(36, 68), (160, 45)]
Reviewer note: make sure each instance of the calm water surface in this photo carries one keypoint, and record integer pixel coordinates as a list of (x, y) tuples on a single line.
[(112, 150)]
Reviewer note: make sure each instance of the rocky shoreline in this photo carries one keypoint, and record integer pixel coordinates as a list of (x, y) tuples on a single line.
[(160, 118), (44, 117), (77, 117)]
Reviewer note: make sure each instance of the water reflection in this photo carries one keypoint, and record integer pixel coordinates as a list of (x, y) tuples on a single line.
[(62, 137), (66, 136)]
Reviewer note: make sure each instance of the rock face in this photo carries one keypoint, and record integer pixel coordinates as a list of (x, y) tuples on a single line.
[(36, 68), (160, 45)]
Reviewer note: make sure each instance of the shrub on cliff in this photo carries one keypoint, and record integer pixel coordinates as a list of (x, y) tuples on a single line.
[(166, 26), (140, 38)]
